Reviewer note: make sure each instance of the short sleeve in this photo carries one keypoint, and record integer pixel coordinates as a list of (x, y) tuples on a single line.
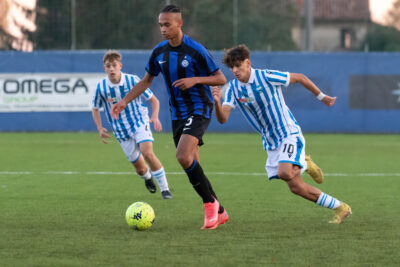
[(96, 102), (229, 98), (277, 77), (147, 94), (153, 67), (208, 61)]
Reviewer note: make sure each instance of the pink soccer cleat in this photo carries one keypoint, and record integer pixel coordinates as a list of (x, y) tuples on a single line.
[(210, 214)]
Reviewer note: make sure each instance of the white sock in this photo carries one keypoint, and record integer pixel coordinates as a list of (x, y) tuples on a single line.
[(161, 179), (327, 201), (147, 175)]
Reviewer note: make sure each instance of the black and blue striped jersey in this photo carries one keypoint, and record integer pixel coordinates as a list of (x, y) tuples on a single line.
[(189, 59)]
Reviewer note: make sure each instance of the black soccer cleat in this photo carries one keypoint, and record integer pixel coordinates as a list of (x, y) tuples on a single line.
[(150, 185), (166, 194)]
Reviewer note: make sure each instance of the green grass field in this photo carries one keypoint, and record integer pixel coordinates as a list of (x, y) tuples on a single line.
[(63, 198)]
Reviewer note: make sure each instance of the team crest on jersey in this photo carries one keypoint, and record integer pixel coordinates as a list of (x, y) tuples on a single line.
[(111, 100), (185, 63), (244, 100), (259, 88)]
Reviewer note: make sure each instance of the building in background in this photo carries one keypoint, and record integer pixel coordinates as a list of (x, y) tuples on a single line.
[(339, 25)]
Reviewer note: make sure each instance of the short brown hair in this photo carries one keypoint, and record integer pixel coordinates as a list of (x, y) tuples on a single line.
[(236, 55), (112, 55)]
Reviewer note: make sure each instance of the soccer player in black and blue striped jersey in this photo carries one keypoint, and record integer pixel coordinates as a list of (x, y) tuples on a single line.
[(189, 71)]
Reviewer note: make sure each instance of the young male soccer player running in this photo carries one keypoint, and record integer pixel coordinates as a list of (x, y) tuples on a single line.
[(132, 129), (188, 71), (258, 94)]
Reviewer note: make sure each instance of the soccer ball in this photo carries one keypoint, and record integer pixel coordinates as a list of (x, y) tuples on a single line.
[(140, 216)]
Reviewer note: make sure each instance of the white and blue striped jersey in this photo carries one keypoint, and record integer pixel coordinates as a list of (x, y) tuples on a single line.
[(262, 104), (133, 116)]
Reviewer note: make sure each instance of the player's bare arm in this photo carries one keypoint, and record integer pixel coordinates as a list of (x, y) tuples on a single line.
[(102, 131), (155, 107), (217, 78), (137, 90), (309, 85), (221, 112)]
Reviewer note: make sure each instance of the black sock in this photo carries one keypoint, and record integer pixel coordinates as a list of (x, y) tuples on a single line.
[(221, 208), (199, 182)]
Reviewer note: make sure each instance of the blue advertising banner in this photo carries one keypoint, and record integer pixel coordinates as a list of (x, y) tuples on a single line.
[(51, 90)]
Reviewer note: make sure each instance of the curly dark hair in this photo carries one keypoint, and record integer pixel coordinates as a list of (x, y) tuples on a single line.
[(236, 55)]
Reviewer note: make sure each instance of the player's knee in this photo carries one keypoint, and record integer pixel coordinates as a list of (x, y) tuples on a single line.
[(141, 171), (140, 167), (285, 174), (184, 160), (148, 156)]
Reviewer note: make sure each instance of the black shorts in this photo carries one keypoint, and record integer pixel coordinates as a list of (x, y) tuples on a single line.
[(194, 125)]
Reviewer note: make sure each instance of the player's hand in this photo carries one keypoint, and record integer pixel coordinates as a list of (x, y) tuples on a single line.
[(185, 83), (329, 101), (156, 124), (103, 135), (216, 92), (117, 108)]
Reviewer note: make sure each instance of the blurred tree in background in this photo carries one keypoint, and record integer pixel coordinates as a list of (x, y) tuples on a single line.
[(385, 38), (382, 38), (124, 24)]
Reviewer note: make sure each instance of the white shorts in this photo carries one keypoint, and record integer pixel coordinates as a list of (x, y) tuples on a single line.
[(291, 150), (131, 146)]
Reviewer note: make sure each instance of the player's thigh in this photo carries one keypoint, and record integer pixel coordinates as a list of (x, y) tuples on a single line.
[(271, 165), (143, 134), (292, 150), (290, 153), (144, 138), (187, 147), (131, 149)]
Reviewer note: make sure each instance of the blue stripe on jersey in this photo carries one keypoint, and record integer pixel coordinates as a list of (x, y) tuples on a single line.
[(278, 73), (280, 103), (264, 114), (173, 75), (252, 110), (276, 80), (138, 111), (245, 113), (270, 111), (127, 110), (114, 124), (131, 105), (278, 111), (146, 94), (96, 102), (195, 93), (292, 117), (119, 122), (229, 96)]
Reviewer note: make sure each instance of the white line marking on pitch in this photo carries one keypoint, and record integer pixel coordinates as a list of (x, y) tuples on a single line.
[(180, 173)]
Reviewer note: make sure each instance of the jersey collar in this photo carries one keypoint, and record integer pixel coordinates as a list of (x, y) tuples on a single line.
[(121, 82), (251, 78)]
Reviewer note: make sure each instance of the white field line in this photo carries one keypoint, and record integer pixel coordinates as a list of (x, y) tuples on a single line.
[(180, 173)]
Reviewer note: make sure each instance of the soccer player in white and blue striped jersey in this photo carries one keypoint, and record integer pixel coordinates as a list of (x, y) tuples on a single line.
[(258, 95), (132, 128)]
